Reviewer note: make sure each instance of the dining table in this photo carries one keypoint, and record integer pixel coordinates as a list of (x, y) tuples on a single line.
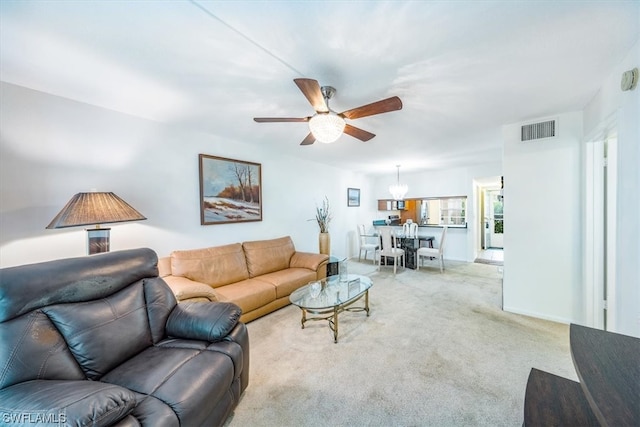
[(409, 244)]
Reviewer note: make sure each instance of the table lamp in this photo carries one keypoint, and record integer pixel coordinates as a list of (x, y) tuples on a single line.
[(95, 208)]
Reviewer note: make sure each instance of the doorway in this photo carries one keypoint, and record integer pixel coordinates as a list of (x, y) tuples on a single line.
[(494, 220), (490, 221)]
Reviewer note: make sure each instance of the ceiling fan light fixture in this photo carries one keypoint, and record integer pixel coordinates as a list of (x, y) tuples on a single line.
[(326, 127)]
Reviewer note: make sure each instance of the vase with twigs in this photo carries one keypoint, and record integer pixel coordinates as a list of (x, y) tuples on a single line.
[(323, 218)]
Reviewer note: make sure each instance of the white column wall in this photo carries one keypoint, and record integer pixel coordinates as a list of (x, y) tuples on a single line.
[(542, 210)]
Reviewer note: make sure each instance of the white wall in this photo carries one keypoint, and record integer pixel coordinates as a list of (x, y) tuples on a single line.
[(610, 100), (53, 148), (542, 211), (462, 243)]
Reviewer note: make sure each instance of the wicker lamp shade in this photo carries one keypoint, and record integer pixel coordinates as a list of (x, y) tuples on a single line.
[(95, 208)]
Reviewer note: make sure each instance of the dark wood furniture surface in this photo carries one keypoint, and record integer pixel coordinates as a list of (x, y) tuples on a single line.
[(608, 366), (608, 394), (551, 400)]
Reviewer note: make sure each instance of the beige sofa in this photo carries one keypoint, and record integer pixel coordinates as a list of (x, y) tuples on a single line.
[(258, 276)]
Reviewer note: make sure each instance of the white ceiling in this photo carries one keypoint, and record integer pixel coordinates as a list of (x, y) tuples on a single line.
[(462, 68)]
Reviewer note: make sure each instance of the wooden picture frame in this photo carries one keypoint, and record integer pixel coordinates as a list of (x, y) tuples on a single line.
[(230, 190), (353, 197)]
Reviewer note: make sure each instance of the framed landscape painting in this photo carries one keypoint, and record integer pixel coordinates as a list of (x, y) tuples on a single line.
[(353, 197), (230, 190)]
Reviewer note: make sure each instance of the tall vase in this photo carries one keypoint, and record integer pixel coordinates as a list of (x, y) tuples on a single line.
[(325, 243)]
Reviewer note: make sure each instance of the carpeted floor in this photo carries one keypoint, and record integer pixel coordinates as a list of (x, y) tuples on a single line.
[(437, 350)]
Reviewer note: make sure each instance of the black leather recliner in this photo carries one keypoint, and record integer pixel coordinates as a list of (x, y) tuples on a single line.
[(101, 341)]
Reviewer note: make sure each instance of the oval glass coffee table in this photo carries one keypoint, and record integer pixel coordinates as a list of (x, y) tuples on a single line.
[(327, 298)]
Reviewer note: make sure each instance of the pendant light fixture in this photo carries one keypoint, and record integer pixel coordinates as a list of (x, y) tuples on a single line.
[(398, 190)]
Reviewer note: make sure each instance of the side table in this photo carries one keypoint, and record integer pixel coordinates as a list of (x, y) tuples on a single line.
[(333, 266)]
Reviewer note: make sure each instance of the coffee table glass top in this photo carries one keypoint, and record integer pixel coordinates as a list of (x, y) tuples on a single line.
[(330, 292)]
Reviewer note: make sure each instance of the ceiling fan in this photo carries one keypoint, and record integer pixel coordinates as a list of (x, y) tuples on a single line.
[(327, 125)]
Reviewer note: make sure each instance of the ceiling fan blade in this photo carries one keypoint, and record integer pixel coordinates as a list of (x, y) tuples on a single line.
[(384, 106), (280, 119), (311, 89), (355, 132), (310, 139)]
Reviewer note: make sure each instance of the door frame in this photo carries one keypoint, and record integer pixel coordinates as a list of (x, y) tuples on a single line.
[(480, 186), (600, 226)]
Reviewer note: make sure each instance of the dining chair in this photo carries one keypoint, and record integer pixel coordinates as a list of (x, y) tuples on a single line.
[(389, 249), (410, 230), (364, 245), (413, 230), (433, 252)]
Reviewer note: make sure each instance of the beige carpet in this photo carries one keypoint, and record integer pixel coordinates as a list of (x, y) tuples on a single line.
[(437, 350)]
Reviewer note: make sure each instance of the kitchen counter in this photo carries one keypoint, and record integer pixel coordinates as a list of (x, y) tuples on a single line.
[(426, 226)]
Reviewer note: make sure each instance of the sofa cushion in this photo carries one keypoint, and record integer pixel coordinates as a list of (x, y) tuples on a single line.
[(151, 411), (249, 294), (188, 380), (159, 302), (267, 256), (229, 347), (32, 348), (215, 266), (288, 280), (82, 403), (103, 333)]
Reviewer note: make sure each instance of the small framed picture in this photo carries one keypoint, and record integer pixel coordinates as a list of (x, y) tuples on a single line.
[(353, 197)]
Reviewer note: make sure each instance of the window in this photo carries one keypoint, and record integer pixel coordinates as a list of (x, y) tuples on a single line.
[(450, 211)]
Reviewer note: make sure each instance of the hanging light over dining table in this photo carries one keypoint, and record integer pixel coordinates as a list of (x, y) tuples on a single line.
[(398, 190)]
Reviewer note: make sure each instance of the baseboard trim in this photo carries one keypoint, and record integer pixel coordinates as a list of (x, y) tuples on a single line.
[(537, 315)]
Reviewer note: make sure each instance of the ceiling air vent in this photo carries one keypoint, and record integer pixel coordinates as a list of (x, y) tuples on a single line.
[(538, 130)]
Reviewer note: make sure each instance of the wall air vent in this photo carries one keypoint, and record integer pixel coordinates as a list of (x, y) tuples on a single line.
[(538, 130)]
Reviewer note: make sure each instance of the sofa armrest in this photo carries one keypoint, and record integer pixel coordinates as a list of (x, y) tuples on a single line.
[(186, 289), (309, 260), (164, 266), (204, 321), (60, 402)]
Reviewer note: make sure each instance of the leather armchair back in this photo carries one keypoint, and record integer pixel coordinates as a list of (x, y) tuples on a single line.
[(82, 317)]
